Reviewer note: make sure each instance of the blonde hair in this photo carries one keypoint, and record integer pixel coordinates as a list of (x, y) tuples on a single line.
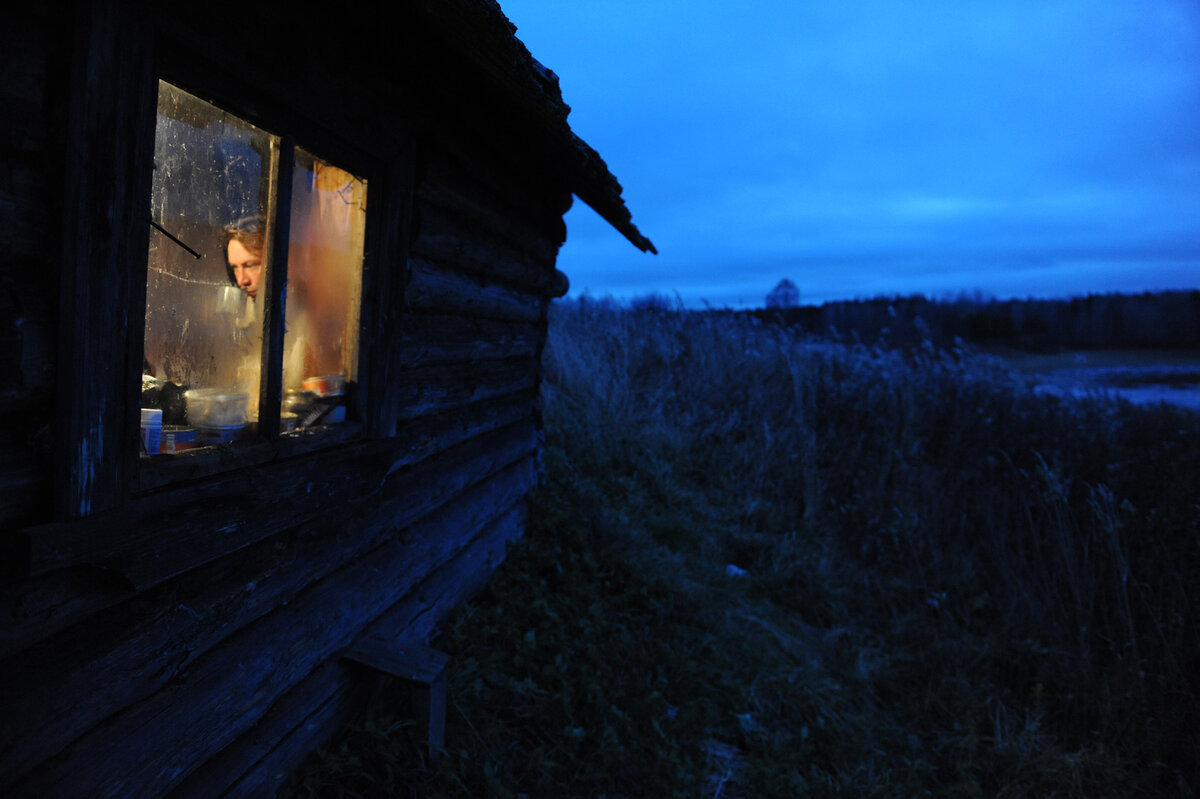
[(248, 231)]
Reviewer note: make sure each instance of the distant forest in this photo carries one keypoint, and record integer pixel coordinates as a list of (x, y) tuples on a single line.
[(1163, 320)]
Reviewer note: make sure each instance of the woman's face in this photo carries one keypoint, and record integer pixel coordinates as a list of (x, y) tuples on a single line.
[(247, 268)]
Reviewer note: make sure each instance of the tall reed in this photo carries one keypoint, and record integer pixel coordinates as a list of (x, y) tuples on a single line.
[(1058, 537), (765, 565)]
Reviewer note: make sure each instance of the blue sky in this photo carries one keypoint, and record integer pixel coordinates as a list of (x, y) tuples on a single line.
[(1041, 148)]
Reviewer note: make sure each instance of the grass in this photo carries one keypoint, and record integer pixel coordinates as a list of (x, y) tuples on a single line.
[(764, 566)]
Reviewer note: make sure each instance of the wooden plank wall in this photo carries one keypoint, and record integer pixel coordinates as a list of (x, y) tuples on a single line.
[(219, 680), (30, 207)]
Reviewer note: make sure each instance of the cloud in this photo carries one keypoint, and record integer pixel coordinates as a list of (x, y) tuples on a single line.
[(976, 139)]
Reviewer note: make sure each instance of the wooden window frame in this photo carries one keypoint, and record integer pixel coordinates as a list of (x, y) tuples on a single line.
[(269, 445), (106, 504)]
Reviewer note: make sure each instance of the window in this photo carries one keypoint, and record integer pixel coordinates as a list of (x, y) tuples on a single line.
[(324, 290), (216, 277), (218, 161)]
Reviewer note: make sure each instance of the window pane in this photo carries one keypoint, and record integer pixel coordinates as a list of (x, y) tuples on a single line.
[(211, 204), (324, 291)]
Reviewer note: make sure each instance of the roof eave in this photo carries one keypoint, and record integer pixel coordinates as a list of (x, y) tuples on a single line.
[(487, 38)]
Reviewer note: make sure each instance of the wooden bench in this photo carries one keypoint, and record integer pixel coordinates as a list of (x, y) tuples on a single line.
[(423, 668)]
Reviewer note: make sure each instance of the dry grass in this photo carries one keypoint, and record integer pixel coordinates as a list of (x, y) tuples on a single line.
[(943, 584)]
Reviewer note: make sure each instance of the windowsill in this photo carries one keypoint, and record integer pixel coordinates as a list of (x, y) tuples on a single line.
[(157, 471)]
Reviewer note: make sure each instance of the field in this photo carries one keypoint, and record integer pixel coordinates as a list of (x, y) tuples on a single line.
[(767, 566)]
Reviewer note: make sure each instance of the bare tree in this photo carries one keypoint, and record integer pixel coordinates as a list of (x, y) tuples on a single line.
[(784, 295)]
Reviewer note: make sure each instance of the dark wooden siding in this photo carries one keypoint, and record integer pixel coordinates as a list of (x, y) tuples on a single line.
[(156, 669), (30, 207)]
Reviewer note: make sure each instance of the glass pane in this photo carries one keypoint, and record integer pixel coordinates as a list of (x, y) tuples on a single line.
[(324, 291), (211, 206)]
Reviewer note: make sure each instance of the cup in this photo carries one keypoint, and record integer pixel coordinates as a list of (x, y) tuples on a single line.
[(231, 301)]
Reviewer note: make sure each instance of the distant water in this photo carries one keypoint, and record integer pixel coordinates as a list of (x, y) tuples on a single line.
[(1145, 385)]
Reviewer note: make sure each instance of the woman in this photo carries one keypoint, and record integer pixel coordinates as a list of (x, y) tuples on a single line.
[(244, 243)]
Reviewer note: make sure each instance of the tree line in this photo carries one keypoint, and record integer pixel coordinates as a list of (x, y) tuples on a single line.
[(1151, 320)]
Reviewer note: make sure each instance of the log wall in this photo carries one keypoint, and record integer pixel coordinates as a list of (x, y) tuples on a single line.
[(201, 655), (30, 205)]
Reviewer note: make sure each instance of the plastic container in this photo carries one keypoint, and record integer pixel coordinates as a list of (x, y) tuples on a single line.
[(208, 435), (151, 430), (176, 438), (216, 407), (327, 386)]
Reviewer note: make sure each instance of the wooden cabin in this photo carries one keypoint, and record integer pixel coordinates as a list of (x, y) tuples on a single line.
[(228, 503)]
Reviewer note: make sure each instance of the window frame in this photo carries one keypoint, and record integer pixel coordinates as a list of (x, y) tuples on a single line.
[(268, 444), (98, 477)]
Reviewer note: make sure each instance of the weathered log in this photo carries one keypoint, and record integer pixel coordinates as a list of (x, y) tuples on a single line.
[(37, 608), (237, 682), (302, 719), (29, 139), (429, 391), (260, 760), (500, 195), (24, 200), (439, 388), (499, 93), (384, 318), (448, 244), (442, 339), (33, 610), (28, 321), (24, 487), (26, 67), (419, 613), (107, 181), (435, 288), (136, 648), (219, 516), (448, 231), (564, 160)]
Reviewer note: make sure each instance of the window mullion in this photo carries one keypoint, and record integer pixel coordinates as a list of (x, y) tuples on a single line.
[(272, 366)]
